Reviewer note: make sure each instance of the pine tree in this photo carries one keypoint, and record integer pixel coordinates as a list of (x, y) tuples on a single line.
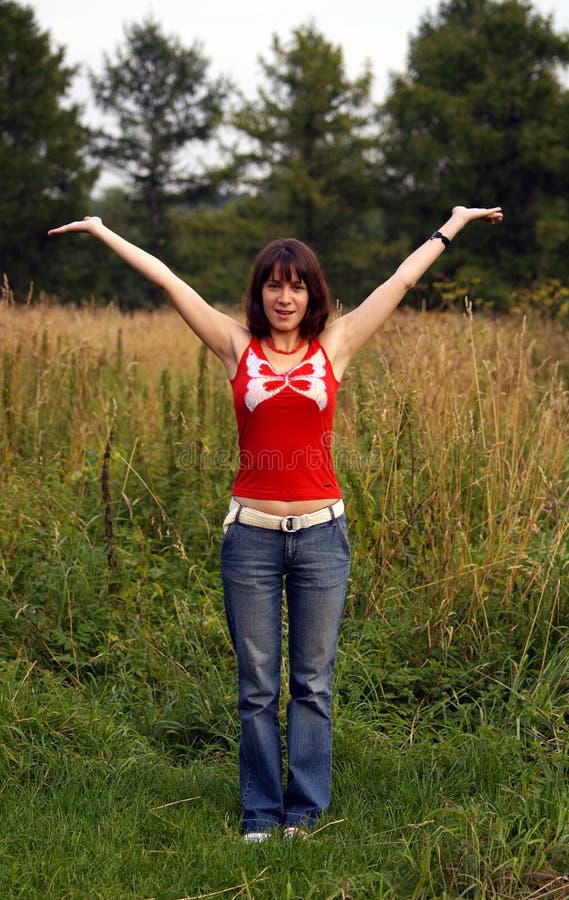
[(161, 101), (312, 147), (481, 116), (45, 177)]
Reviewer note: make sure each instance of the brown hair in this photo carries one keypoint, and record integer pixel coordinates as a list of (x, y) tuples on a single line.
[(284, 255)]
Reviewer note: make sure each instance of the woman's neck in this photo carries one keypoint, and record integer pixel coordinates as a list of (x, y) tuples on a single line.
[(287, 343)]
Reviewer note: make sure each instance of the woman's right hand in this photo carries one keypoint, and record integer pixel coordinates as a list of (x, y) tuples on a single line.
[(88, 225), (225, 336)]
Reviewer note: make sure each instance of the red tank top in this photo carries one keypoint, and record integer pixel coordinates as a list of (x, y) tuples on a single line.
[(285, 421)]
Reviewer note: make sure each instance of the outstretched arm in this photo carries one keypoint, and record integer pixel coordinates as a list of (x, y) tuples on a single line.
[(346, 335), (222, 334)]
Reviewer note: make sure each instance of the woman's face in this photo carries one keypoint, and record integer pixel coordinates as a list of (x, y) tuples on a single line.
[(285, 302)]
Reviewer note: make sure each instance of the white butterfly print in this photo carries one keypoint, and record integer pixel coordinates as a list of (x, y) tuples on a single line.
[(306, 378)]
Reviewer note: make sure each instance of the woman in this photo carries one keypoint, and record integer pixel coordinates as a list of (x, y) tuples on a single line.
[(286, 522)]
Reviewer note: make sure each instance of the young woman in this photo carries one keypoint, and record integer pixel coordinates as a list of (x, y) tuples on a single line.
[(286, 523)]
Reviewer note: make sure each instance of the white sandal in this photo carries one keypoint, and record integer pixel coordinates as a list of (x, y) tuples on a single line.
[(255, 837), (292, 831)]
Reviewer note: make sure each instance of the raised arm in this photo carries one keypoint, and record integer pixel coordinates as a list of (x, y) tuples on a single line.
[(222, 334), (346, 335)]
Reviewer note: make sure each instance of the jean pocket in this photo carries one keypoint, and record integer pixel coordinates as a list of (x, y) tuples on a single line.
[(342, 530), (226, 537)]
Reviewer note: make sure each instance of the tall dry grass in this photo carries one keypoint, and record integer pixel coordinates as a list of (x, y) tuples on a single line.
[(117, 449), (451, 443)]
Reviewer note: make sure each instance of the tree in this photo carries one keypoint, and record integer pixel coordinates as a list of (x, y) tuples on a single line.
[(44, 174), (482, 116), (161, 99), (312, 152)]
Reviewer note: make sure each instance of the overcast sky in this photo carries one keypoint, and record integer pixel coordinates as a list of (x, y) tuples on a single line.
[(234, 34)]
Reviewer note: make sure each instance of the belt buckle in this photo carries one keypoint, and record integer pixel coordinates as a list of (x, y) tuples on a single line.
[(287, 523)]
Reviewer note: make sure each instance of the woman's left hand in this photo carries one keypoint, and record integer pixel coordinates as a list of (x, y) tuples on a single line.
[(492, 215)]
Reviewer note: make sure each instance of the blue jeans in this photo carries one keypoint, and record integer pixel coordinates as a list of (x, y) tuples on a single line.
[(313, 563)]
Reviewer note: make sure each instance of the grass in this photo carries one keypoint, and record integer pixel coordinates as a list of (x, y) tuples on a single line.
[(118, 731), (95, 805)]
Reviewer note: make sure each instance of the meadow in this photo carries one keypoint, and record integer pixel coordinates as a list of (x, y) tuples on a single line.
[(118, 728)]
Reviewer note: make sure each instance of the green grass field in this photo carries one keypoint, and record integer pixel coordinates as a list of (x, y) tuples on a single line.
[(117, 680)]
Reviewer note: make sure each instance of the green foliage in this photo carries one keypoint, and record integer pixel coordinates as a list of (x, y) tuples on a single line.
[(108, 279), (216, 246), (162, 101), (312, 168), (313, 149), (550, 298), (44, 174), (482, 114)]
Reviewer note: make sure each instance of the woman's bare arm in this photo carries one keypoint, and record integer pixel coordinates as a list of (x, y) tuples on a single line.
[(346, 335), (225, 336)]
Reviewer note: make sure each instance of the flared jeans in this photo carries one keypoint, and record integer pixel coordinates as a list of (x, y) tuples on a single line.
[(312, 564)]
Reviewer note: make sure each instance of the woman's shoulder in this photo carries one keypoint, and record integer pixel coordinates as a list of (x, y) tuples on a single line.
[(330, 340), (242, 341)]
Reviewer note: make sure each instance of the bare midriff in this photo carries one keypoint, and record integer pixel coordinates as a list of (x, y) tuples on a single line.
[(286, 507)]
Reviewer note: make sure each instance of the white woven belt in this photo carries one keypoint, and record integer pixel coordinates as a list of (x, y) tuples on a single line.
[(248, 516)]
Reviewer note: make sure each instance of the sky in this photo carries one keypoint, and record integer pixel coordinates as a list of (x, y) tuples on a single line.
[(234, 34)]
